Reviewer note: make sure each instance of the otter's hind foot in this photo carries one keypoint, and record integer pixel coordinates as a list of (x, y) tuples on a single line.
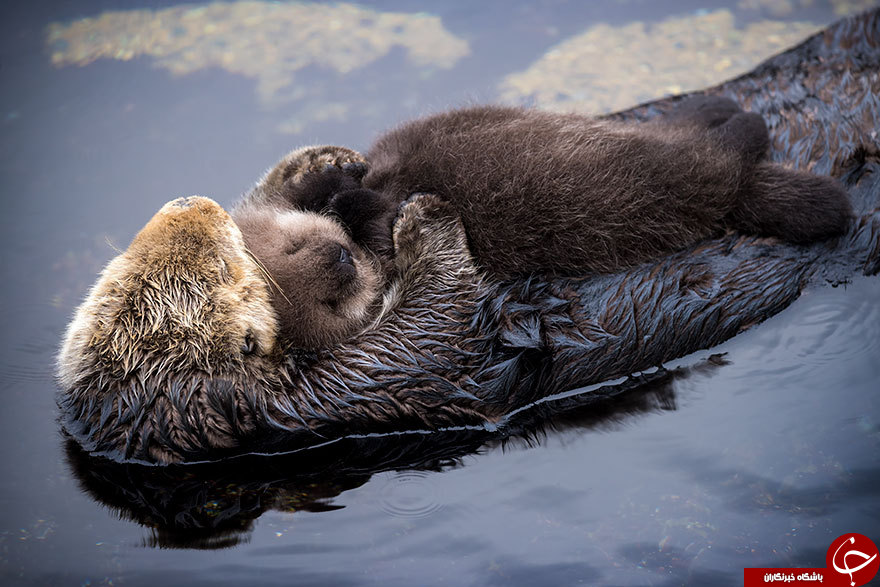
[(796, 206)]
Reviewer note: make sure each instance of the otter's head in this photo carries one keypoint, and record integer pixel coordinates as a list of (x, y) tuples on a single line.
[(171, 350), (327, 287)]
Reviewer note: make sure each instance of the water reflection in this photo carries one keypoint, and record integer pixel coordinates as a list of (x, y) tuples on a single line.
[(214, 505), (603, 68), (753, 494), (513, 572)]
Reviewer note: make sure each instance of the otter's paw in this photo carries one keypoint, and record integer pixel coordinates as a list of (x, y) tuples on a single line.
[(702, 110), (429, 229), (309, 177), (367, 215), (746, 134), (308, 160), (316, 192), (794, 205), (420, 213)]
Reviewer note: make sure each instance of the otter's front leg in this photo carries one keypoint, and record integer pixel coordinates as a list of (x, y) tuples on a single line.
[(430, 243), (742, 132), (703, 111)]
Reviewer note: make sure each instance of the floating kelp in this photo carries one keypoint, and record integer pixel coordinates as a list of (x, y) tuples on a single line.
[(773, 7), (847, 7), (594, 71), (291, 36)]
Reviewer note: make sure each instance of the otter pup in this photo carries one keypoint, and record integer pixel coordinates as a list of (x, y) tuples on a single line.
[(557, 194)]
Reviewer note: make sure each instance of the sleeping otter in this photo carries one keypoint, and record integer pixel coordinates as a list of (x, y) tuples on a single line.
[(537, 192), (174, 355)]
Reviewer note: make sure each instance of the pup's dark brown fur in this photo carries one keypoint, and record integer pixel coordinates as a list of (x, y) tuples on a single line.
[(544, 193)]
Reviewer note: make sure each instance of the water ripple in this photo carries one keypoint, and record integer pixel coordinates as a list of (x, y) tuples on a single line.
[(836, 326), (409, 494)]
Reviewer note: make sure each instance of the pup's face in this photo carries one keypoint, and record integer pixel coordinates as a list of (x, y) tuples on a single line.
[(325, 288)]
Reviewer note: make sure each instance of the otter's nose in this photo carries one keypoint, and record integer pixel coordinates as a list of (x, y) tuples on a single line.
[(191, 205), (185, 202), (185, 218)]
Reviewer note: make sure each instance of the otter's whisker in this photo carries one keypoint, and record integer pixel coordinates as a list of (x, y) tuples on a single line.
[(112, 246), (266, 273)]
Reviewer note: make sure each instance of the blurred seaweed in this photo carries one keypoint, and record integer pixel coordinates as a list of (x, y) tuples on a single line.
[(607, 67), (268, 41)]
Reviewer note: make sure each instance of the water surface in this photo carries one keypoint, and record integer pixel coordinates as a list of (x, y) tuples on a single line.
[(760, 459)]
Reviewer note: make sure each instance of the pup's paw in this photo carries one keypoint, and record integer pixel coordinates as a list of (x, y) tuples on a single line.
[(429, 230), (309, 160), (418, 212), (746, 134), (425, 207), (703, 110)]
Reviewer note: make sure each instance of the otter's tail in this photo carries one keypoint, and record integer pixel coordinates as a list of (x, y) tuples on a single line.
[(796, 206)]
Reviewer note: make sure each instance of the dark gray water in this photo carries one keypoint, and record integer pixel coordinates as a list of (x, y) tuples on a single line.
[(761, 461)]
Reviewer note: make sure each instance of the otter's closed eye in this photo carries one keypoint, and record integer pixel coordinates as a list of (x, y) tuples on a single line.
[(249, 345)]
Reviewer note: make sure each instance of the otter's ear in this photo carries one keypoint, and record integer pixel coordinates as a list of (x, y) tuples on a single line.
[(428, 233)]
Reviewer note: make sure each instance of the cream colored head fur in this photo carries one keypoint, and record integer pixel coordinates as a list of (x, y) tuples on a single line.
[(185, 287)]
